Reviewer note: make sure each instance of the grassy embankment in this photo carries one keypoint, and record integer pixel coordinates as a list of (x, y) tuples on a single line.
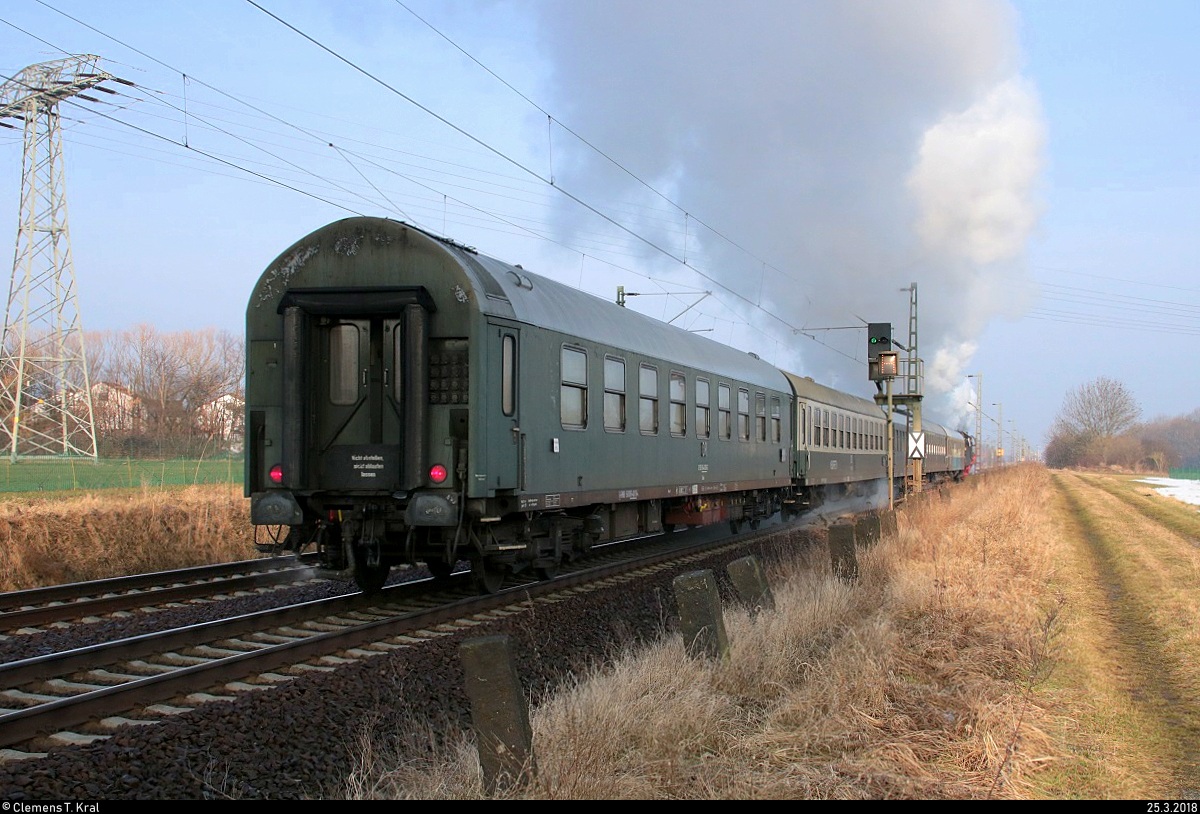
[(72, 520), (1030, 636), (77, 536)]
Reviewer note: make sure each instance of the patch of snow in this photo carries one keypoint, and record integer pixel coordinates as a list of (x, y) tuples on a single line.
[(1186, 490)]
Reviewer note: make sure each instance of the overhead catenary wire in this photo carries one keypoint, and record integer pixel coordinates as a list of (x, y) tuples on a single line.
[(606, 217), (187, 108), (173, 69), (652, 244)]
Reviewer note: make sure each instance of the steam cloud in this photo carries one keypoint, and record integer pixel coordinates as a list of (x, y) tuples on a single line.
[(854, 148)]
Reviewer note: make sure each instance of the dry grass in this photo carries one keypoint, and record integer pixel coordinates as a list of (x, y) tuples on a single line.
[(921, 681), (1028, 635), (54, 540)]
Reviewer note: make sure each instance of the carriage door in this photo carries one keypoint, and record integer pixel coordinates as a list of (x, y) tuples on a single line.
[(358, 402), (505, 435)]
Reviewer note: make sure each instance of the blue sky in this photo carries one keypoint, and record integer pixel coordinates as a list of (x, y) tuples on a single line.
[(773, 174)]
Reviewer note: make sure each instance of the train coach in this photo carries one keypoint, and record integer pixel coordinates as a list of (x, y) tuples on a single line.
[(841, 447), (409, 400)]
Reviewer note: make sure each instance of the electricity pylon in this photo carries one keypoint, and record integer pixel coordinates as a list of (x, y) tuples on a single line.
[(45, 392)]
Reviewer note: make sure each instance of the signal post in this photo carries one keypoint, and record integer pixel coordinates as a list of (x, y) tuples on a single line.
[(883, 365)]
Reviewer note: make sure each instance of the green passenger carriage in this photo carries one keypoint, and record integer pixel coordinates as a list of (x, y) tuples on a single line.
[(412, 401)]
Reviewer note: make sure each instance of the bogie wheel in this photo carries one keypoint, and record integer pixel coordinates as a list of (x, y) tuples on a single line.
[(489, 578), (754, 523), (733, 526), (370, 579), (439, 567), (546, 572)]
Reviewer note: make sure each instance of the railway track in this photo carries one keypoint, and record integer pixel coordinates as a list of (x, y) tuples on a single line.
[(83, 695), (25, 611)]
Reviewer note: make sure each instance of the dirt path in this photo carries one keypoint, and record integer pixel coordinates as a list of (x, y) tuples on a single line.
[(1130, 667)]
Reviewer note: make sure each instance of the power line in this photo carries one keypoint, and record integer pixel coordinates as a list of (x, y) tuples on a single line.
[(591, 146), (518, 164), (182, 74), (186, 112)]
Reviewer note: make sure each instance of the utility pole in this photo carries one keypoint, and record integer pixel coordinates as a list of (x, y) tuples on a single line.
[(978, 377), (914, 390), (999, 433), (45, 392)]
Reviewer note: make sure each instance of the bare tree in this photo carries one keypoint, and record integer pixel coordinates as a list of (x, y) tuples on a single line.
[(161, 387), (1093, 415), (1180, 435), (1101, 408)]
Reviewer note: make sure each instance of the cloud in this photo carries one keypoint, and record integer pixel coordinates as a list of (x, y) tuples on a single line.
[(976, 177), (824, 157)]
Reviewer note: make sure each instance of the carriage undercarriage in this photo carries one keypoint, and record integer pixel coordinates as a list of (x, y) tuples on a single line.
[(364, 540)]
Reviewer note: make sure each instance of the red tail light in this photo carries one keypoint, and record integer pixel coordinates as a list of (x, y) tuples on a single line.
[(276, 474), (437, 473)]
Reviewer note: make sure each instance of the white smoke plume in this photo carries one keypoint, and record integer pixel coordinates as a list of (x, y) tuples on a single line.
[(974, 178), (848, 149)]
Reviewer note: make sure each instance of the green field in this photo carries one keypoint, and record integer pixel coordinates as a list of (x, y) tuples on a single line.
[(74, 474)]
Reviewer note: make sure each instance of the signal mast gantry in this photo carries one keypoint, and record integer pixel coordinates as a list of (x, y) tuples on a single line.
[(45, 393)]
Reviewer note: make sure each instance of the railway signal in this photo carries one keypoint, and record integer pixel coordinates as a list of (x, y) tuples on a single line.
[(879, 339), (882, 360)]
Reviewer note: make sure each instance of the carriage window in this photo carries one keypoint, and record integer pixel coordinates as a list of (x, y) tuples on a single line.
[(648, 400), (743, 414), (677, 392), (776, 421), (703, 428), (724, 426), (825, 428), (760, 417), (573, 392), (614, 394), (343, 364), (508, 374)]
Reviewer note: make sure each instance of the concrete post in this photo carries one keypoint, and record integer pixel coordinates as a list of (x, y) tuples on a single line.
[(750, 582), (887, 523), (498, 712), (700, 619), (841, 551), (866, 529)]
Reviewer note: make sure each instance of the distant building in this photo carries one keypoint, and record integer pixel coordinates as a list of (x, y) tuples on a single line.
[(222, 420), (117, 411)]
